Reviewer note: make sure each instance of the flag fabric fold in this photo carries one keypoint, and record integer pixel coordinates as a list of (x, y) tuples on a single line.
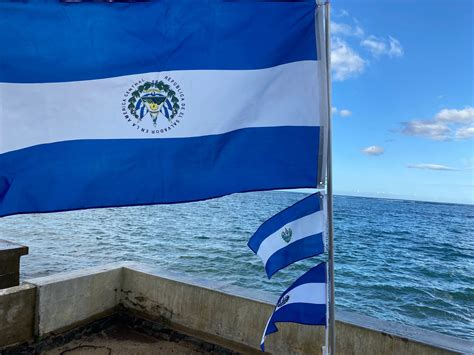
[(157, 102), (293, 234), (304, 302)]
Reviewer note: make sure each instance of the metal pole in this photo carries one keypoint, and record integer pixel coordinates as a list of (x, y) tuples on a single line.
[(332, 319)]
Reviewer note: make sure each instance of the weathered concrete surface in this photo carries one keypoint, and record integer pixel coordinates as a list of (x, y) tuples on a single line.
[(364, 335), (10, 254), (223, 318), (123, 341), (218, 313), (68, 299), (394, 338), (231, 315), (17, 313)]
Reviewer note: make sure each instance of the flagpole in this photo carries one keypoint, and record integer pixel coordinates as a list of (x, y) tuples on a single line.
[(332, 319)]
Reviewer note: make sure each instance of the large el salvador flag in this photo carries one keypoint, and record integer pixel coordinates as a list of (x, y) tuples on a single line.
[(293, 234), (304, 302), (115, 104)]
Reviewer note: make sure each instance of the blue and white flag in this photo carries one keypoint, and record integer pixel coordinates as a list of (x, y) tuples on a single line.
[(162, 101), (304, 302), (293, 234)]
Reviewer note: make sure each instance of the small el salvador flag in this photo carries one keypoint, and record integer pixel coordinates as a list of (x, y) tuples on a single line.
[(303, 302), (293, 234)]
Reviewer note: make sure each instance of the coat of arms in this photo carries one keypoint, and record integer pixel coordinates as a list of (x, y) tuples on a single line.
[(286, 234), (283, 301), (154, 99)]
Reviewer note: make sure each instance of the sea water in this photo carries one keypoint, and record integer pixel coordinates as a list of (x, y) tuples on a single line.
[(405, 261)]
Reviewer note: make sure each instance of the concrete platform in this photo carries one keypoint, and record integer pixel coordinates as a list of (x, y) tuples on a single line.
[(120, 333), (60, 311), (120, 340)]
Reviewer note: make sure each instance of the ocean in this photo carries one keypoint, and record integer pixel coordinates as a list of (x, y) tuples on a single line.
[(406, 261)]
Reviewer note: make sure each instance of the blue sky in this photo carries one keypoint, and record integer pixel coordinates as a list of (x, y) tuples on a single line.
[(403, 123)]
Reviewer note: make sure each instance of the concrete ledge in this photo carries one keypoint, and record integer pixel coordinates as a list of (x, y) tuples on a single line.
[(66, 300), (17, 313), (238, 315), (10, 254), (407, 336), (229, 316), (199, 307)]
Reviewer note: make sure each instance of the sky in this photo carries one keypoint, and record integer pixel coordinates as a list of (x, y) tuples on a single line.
[(403, 110)]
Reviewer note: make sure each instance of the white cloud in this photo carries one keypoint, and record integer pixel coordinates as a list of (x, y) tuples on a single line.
[(343, 29), (341, 13), (373, 150), (465, 132), (465, 115), (348, 39), (380, 46), (396, 49), (442, 126), (428, 129), (345, 62), (345, 113), (374, 45), (431, 167), (340, 29)]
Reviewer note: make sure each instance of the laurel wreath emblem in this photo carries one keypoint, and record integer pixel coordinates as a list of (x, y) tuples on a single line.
[(156, 86), (286, 234), (283, 301)]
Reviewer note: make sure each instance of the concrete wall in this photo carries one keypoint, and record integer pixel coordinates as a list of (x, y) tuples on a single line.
[(219, 313), (10, 254), (234, 315), (359, 334), (17, 314), (197, 307), (68, 299)]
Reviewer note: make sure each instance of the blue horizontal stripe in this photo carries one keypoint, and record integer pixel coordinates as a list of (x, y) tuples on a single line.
[(302, 313), (298, 210), (49, 41), (298, 250), (106, 173)]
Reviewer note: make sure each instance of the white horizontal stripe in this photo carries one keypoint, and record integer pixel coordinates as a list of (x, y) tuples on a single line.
[(215, 102), (301, 228), (314, 293), (265, 331)]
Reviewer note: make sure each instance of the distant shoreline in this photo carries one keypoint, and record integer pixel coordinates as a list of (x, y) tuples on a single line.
[(308, 191)]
